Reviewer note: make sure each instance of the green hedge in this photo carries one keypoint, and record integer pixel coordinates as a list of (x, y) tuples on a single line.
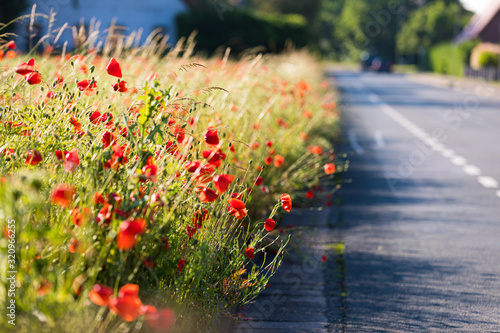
[(488, 59), (449, 58), (241, 30)]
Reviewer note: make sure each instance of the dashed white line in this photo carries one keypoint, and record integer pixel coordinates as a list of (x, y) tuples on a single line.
[(472, 170), (447, 153), (353, 139), (379, 139), (487, 182), (458, 160), (438, 147)]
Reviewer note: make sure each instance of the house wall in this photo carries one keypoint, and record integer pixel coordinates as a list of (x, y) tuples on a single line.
[(133, 14)]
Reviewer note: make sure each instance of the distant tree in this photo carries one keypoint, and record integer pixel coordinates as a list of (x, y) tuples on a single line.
[(431, 24), (10, 10), (369, 25), (327, 24), (307, 8)]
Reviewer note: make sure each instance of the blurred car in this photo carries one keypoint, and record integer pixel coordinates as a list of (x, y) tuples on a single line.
[(372, 62)]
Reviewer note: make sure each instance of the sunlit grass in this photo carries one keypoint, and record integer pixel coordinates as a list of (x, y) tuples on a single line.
[(135, 209)]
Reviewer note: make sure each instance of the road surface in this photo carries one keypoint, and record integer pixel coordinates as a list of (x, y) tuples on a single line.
[(421, 217)]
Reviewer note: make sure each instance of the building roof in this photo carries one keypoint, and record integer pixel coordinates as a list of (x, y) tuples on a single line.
[(478, 22)]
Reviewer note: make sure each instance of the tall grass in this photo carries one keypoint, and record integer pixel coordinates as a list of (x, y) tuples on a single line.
[(136, 207)]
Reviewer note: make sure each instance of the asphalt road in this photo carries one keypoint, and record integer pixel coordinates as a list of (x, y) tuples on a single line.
[(421, 217)]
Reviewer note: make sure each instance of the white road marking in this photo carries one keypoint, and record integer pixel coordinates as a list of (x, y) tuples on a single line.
[(438, 147), (353, 139), (487, 182), (447, 153), (458, 160), (379, 139), (472, 170)]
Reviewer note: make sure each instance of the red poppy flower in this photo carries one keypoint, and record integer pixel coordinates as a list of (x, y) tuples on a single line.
[(171, 148), (329, 168), (44, 288), (84, 68), (180, 265), (33, 157), (26, 67), (237, 208), (86, 85), (278, 160), (199, 217), (207, 195), (150, 170), (268, 160), (307, 114), (59, 79), (98, 198), (129, 290), (180, 133), (211, 137), (258, 181), (11, 54), (222, 182), (269, 144), (50, 94), (78, 284), (62, 195), (129, 229), (236, 195), (11, 45), (269, 224), (114, 68), (33, 78), (105, 215), (95, 118), (249, 252), (309, 194), (162, 320), (119, 156), (190, 231), (324, 258), (73, 245), (8, 151), (100, 294), (71, 161), (127, 305), (286, 202), (79, 218), (192, 166), (108, 139), (205, 174), (120, 86), (214, 156), (316, 150)]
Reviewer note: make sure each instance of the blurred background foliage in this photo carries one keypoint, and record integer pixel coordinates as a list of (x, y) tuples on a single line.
[(400, 31), (10, 10), (339, 30)]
